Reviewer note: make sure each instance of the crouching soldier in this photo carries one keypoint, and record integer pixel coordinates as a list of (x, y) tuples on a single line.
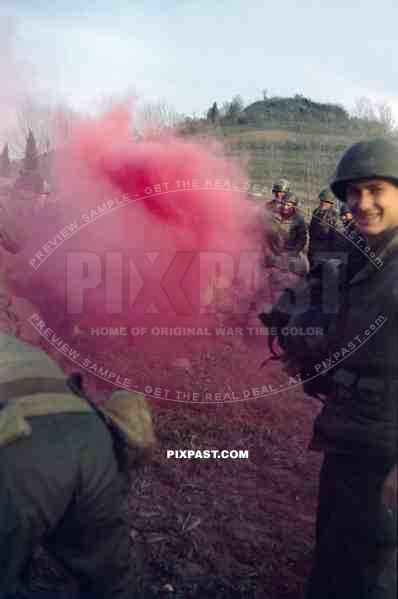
[(61, 466)]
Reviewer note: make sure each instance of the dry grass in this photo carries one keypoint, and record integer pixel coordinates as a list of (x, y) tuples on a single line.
[(259, 136)]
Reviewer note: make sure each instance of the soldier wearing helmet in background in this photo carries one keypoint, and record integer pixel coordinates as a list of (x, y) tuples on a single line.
[(357, 427), (61, 465), (279, 190), (347, 240), (322, 231), (346, 215), (288, 237)]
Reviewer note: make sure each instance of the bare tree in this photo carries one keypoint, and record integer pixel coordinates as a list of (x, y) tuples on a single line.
[(147, 118), (385, 116), (380, 114), (364, 109), (50, 125), (213, 114), (154, 117), (31, 117)]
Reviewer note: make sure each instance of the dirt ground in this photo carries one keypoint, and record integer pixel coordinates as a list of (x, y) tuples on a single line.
[(214, 528), (223, 528), (230, 528)]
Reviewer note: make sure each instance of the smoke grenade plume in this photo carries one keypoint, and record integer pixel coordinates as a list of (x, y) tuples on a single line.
[(143, 235)]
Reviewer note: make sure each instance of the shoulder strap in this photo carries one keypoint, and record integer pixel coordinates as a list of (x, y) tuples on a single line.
[(32, 385), (41, 396)]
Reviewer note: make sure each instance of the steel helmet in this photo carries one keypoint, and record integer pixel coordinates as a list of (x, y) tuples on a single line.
[(344, 210), (281, 185), (375, 158), (326, 196)]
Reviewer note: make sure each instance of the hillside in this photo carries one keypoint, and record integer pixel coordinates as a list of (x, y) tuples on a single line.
[(290, 111), (295, 138)]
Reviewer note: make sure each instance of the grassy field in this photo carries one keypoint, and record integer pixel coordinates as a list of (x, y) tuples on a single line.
[(304, 153), (307, 159)]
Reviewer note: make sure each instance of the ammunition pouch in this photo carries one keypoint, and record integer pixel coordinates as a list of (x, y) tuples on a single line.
[(129, 419)]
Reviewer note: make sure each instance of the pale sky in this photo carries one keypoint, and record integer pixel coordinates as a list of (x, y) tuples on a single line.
[(191, 53)]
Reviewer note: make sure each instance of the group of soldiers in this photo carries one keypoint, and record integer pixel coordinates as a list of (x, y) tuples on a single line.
[(62, 456), (355, 359), (294, 245)]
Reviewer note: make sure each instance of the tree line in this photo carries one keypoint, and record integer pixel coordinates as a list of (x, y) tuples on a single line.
[(367, 116)]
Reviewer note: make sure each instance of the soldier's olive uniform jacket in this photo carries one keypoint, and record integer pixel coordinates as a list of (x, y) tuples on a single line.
[(346, 233), (289, 234), (360, 414), (321, 232), (349, 245), (59, 479)]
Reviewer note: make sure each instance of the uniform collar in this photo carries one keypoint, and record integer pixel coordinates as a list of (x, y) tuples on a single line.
[(386, 248)]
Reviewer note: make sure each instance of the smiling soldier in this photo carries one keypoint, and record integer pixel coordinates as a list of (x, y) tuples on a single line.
[(357, 427)]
